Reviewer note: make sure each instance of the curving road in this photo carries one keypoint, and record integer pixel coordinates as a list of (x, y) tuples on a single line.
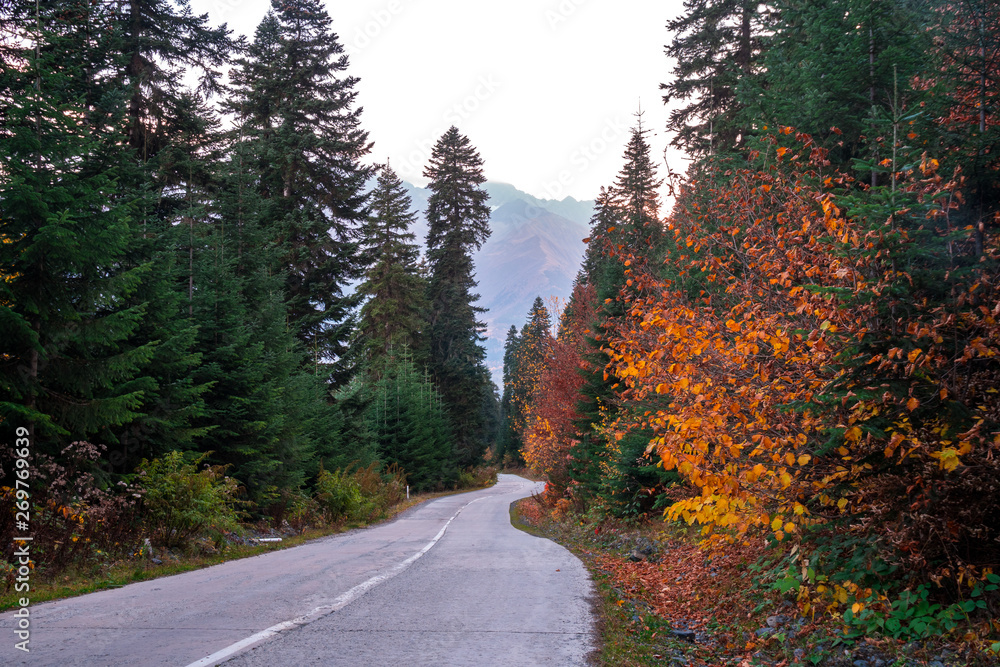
[(449, 582)]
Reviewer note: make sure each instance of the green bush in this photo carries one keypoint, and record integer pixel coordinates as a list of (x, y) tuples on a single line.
[(480, 476), (182, 501), (339, 495)]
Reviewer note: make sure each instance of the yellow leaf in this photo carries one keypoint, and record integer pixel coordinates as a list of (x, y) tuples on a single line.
[(853, 434), (842, 503), (790, 459), (789, 527), (661, 388), (776, 524), (804, 459), (914, 353), (786, 480), (856, 607)]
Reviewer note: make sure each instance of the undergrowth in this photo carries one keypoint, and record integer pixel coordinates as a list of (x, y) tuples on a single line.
[(663, 600)]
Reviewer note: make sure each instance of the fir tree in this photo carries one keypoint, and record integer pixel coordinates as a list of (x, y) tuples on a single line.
[(509, 445), (458, 220), (836, 65), (293, 98), (392, 316), (715, 44), (410, 425), (625, 228), (69, 363)]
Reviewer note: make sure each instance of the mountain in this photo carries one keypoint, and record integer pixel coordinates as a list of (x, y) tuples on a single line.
[(536, 249)]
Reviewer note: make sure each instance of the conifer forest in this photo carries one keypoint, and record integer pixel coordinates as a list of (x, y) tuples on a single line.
[(211, 292)]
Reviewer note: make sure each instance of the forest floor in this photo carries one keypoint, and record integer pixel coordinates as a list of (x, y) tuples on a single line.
[(664, 601)]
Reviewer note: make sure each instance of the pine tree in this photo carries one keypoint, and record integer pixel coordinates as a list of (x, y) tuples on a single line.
[(458, 220), (509, 441), (69, 363), (626, 232), (392, 318), (716, 43), (292, 98)]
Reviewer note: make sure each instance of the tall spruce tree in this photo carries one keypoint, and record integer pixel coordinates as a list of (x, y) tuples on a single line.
[(625, 228), (508, 440), (715, 44), (169, 179), (69, 363), (458, 224), (392, 318), (293, 99)]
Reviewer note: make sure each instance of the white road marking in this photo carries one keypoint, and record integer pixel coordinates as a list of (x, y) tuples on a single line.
[(341, 601)]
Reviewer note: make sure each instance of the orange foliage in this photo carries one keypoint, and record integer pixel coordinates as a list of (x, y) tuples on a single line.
[(803, 374), (549, 433)]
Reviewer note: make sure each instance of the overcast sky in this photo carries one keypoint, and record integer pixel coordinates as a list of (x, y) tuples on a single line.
[(545, 89)]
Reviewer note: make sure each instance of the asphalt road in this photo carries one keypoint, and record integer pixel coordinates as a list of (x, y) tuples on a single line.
[(449, 582)]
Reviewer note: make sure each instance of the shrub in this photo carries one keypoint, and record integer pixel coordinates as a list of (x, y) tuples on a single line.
[(477, 477), (339, 495), (79, 518), (182, 501)]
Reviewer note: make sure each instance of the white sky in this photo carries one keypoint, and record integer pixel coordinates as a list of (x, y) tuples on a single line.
[(545, 89)]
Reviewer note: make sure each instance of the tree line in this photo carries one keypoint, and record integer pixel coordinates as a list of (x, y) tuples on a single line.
[(805, 347), (197, 255)]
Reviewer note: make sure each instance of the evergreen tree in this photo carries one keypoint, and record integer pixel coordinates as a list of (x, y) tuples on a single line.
[(458, 220), (168, 178), (392, 316), (292, 98), (636, 192), (625, 228), (410, 425), (716, 43), (267, 414), (509, 441), (840, 64), (69, 363)]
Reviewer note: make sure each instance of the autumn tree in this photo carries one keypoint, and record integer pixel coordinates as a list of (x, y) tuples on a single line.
[(530, 354), (550, 432), (815, 381)]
